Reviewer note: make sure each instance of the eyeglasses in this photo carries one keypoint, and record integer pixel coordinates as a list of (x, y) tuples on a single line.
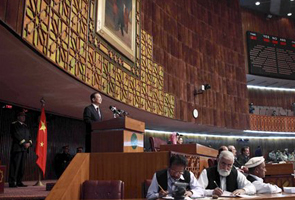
[(176, 172), (226, 165)]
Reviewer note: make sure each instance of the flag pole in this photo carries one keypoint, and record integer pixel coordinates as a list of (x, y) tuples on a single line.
[(39, 182)]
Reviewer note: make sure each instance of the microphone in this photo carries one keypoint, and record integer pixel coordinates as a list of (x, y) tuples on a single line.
[(114, 110), (123, 112)]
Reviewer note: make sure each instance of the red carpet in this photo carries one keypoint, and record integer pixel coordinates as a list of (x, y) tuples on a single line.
[(27, 193)]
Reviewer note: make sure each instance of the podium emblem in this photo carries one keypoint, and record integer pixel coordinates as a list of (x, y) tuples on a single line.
[(134, 141)]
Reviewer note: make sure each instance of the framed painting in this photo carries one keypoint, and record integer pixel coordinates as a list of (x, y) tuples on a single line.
[(116, 23)]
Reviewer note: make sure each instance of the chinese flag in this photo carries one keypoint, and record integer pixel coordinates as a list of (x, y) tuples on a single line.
[(41, 146)]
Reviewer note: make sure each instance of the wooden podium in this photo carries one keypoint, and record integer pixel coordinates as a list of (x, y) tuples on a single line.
[(190, 149), (117, 135)]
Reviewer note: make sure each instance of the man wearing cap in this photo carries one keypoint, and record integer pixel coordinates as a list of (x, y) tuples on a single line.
[(21, 142), (257, 171), (225, 177)]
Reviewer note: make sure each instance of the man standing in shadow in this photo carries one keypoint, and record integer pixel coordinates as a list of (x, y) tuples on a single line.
[(62, 160), (92, 113)]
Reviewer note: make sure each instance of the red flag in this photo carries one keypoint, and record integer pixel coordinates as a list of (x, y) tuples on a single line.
[(41, 146)]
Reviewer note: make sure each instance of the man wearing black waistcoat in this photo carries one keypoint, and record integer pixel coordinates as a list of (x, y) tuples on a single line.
[(92, 113), (225, 177), (163, 182)]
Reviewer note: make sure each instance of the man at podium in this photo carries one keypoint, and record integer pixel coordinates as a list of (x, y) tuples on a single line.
[(92, 113)]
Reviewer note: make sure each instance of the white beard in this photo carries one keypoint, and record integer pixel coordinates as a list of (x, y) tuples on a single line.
[(223, 172)]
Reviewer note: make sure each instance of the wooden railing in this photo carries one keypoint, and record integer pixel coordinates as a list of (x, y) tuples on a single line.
[(272, 123)]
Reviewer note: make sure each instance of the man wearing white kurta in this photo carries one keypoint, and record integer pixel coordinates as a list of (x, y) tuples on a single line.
[(257, 171), (224, 177)]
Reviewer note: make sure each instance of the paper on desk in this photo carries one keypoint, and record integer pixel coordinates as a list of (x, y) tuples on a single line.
[(248, 196), (289, 189), (228, 194)]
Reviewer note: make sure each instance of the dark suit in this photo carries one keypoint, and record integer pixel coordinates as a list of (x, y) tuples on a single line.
[(20, 135), (90, 115), (242, 159), (61, 162)]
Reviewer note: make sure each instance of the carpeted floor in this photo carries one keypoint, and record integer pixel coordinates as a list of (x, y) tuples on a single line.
[(27, 193)]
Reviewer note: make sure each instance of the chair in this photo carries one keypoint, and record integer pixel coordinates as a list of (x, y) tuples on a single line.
[(212, 162), (100, 189), (156, 143), (145, 187)]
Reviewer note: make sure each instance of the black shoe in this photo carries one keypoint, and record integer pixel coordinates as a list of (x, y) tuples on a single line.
[(21, 185), (12, 185)]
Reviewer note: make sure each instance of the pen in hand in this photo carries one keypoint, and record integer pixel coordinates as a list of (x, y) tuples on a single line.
[(162, 192), (217, 191), (215, 184)]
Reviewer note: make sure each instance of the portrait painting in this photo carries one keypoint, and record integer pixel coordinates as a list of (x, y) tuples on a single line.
[(116, 24)]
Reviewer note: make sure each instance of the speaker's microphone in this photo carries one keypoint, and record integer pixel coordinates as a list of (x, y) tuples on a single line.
[(114, 110), (123, 112)]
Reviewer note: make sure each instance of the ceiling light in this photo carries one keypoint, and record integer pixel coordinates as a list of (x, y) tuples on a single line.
[(291, 0), (270, 88), (289, 14), (257, 3), (258, 134)]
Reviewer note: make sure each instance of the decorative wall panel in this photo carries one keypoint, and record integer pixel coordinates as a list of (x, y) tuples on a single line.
[(199, 42), (64, 32), (272, 123)]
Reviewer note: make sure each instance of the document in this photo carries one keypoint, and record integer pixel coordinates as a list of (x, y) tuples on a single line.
[(228, 194), (247, 196)]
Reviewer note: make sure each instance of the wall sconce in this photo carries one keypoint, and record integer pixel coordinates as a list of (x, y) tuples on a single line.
[(202, 89)]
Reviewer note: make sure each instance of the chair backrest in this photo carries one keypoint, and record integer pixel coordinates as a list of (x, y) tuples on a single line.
[(156, 143), (145, 187), (100, 189), (212, 162)]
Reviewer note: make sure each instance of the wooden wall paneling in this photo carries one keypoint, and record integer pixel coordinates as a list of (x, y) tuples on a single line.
[(132, 168), (195, 40), (271, 98), (61, 131), (68, 185), (14, 14), (3, 5)]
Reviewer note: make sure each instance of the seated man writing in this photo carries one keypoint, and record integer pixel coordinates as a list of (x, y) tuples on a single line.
[(257, 171), (163, 181), (225, 177)]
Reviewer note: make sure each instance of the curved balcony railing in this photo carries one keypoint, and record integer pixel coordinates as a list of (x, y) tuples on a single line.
[(272, 123)]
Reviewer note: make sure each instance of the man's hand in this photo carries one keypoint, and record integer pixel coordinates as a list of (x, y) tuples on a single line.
[(239, 192), (27, 145), (188, 193), (245, 169), (218, 191), (163, 193)]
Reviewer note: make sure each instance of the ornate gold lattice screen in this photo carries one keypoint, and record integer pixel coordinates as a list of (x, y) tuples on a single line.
[(63, 31)]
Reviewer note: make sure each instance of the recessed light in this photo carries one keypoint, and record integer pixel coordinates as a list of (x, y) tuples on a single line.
[(289, 14), (291, 0), (257, 3)]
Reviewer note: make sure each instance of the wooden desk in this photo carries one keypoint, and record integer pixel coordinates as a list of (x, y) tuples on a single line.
[(201, 152), (190, 149), (283, 196), (280, 174), (260, 197)]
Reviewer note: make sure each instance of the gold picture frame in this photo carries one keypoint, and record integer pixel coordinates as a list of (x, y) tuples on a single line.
[(116, 23)]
